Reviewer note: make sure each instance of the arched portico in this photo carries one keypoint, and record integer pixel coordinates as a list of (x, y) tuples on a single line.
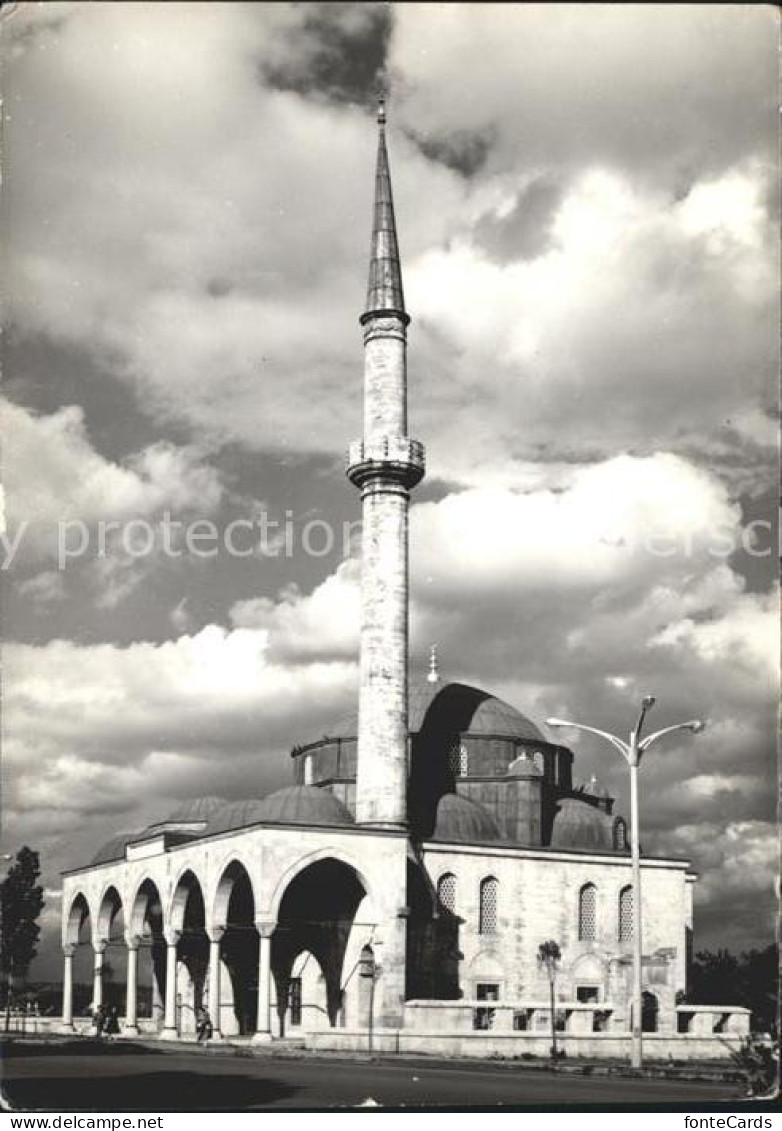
[(187, 955), (76, 939), (111, 962), (146, 952), (316, 913), (234, 950)]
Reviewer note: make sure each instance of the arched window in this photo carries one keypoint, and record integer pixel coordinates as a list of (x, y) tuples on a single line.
[(587, 912), (457, 759), (626, 914), (620, 834), (487, 918), (446, 891)]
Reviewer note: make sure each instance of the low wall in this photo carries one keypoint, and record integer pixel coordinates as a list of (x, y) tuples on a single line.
[(594, 1046)]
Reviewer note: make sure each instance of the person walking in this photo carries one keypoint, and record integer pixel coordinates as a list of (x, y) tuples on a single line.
[(112, 1022), (204, 1027)]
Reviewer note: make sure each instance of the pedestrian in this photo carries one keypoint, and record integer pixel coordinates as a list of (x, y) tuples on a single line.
[(99, 1020), (112, 1022), (204, 1027)]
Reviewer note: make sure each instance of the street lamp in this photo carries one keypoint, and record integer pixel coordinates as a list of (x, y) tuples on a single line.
[(632, 753)]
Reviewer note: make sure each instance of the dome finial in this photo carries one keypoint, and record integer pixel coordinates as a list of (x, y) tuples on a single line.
[(434, 675)]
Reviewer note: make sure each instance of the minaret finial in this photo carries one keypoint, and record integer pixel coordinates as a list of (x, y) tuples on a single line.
[(381, 107), (434, 675)]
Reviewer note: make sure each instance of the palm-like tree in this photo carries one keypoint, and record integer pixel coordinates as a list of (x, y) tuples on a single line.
[(549, 957)]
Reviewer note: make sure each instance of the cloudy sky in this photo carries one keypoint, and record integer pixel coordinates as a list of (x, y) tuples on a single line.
[(586, 199)]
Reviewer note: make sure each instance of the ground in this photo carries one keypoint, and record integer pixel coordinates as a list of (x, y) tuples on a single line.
[(84, 1076)]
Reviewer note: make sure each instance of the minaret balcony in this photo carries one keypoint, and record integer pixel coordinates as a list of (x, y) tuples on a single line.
[(397, 459)]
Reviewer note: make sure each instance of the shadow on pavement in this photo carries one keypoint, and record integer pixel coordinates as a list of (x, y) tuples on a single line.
[(20, 1050), (145, 1091)]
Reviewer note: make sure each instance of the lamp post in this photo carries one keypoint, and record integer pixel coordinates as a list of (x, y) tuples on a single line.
[(632, 752)]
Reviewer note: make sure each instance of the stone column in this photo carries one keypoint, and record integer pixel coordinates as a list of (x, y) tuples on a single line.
[(170, 1032), (390, 955), (67, 986), (97, 980), (215, 934), (131, 1001), (263, 1032)]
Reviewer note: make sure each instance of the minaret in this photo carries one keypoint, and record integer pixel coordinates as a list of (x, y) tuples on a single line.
[(384, 465)]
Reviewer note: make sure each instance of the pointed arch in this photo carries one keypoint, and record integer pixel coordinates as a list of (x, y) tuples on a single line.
[(187, 892), (587, 913), (232, 871), (79, 913), (488, 910), (447, 891), (145, 907), (109, 906), (273, 910)]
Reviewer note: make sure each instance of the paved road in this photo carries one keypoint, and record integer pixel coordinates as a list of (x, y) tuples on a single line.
[(80, 1076)]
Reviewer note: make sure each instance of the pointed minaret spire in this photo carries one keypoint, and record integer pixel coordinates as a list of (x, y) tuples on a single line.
[(384, 289)]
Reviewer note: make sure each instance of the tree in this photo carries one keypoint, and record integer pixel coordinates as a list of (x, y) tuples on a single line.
[(21, 903), (750, 979), (549, 957)]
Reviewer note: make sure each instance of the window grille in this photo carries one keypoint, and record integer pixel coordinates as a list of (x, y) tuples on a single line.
[(587, 912), (446, 891), (457, 759), (487, 923), (626, 914)]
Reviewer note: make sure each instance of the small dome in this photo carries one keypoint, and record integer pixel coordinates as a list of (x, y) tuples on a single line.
[(578, 824), (197, 809), (305, 805), (114, 849), (463, 821), (235, 815)]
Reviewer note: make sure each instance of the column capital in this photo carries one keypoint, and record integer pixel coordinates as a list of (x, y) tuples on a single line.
[(171, 936), (68, 950), (99, 946), (132, 942), (265, 927), (214, 932)]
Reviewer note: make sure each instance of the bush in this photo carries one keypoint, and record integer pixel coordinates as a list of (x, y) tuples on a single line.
[(758, 1062)]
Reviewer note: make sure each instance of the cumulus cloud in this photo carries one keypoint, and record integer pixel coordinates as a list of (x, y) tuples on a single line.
[(53, 474)]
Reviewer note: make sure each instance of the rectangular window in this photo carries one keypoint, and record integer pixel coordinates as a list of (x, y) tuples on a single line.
[(587, 993), (487, 991)]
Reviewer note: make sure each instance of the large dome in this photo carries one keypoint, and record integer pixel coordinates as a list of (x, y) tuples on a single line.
[(461, 821), (578, 824), (471, 710)]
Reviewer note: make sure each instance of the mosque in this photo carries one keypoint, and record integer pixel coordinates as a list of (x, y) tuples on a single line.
[(395, 895)]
